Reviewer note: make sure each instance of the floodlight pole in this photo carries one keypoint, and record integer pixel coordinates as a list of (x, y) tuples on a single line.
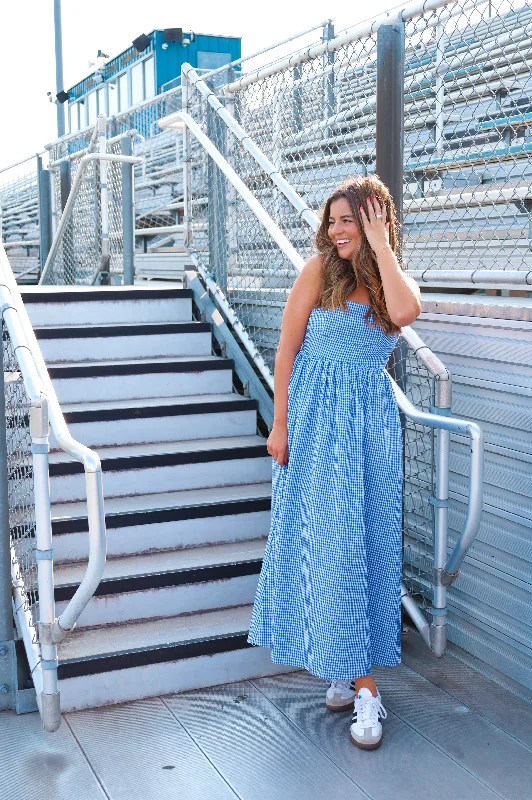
[(59, 68)]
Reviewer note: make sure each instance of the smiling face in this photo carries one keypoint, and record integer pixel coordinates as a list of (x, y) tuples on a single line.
[(343, 229)]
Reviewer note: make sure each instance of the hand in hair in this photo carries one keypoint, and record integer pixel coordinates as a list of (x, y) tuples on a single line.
[(376, 229)]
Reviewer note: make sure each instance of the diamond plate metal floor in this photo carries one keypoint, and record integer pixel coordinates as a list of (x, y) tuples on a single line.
[(450, 732)]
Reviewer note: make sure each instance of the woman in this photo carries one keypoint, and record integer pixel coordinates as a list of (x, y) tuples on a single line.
[(328, 597)]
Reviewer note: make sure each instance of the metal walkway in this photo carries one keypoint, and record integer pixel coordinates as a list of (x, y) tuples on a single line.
[(450, 732)]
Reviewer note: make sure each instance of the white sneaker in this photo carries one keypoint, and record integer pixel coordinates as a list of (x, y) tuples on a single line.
[(366, 730), (340, 696)]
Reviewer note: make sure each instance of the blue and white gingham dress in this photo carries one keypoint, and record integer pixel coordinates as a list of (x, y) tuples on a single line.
[(329, 593)]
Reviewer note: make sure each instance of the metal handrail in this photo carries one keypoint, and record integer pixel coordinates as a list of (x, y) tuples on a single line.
[(476, 474), (86, 159), (89, 458)]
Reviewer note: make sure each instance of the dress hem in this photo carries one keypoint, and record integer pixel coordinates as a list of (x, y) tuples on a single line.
[(300, 665)]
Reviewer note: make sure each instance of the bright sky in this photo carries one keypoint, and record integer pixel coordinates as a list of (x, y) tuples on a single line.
[(27, 61)]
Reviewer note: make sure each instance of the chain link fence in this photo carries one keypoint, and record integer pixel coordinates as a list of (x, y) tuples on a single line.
[(77, 255), (467, 174), (20, 481), (78, 250), (226, 237), (467, 119)]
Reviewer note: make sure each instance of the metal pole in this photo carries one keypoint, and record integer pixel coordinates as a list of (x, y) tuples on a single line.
[(59, 87), (328, 78), (7, 645), (128, 214), (105, 258), (440, 501), (6, 612), (390, 115), (45, 212), (50, 701), (187, 206)]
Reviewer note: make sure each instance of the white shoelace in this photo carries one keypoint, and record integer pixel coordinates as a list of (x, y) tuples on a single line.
[(367, 710), (341, 686)]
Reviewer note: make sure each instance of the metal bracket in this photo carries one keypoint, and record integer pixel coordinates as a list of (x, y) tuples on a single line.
[(443, 578), (436, 501), (8, 675), (44, 555), (443, 412), (40, 448), (45, 633)]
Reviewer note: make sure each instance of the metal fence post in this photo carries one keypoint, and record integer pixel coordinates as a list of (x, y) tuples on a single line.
[(390, 115), (328, 77), (45, 212), (104, 273), (8, 671), (187, 207), (128, 214)]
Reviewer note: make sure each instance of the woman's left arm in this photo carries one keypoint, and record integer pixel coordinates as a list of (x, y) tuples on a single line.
[(403, 298)]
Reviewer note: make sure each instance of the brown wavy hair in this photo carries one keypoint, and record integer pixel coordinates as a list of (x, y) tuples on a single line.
[(340, 276)]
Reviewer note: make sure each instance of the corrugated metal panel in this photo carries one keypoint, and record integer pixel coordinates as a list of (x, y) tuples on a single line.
[(487, 345)]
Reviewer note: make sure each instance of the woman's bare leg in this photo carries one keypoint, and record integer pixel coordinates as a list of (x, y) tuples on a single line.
[(369, 682)]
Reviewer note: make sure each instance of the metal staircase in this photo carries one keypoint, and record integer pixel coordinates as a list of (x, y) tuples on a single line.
[(187, 495)]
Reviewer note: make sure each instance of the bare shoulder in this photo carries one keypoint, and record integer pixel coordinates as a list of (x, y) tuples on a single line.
[(306, 288), (299, 304)]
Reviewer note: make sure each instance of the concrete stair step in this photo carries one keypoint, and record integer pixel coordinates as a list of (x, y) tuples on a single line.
[(165, 466), (135, 379), (123, 422), (166, 584), (75, 343), (116, 663), (173, 520), (110, 305)]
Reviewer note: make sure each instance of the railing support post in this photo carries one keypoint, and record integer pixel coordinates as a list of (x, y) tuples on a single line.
[(440, 503), (50, 701), (128, 214), (390, 123), (8, 672)]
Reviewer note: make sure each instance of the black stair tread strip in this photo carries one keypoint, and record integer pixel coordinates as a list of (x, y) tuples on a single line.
[(120, 329), (161, 460), (108, 294), (162, 580), (122, 519), (156, 411), (91, 370), (177, 446), (95, 665)]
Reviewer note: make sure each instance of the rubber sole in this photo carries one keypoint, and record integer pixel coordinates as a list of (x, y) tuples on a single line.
[(347, 707), (366, 746)]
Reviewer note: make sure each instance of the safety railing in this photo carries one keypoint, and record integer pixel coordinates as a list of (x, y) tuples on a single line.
[(31, 407), (88, 243), (233, 221)]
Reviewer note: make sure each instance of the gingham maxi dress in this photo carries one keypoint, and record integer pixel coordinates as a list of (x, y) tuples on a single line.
[(328, 596)]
